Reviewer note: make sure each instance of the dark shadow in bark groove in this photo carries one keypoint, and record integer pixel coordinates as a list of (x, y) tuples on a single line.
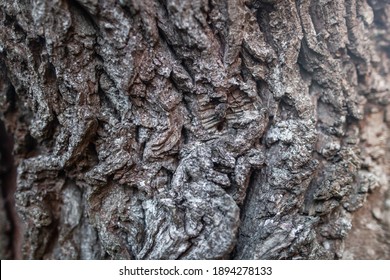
[(8, 180)]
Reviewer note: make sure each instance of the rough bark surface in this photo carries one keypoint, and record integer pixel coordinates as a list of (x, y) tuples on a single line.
[(170, 129)]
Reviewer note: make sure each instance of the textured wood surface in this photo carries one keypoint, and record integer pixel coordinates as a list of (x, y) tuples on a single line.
[(169, 129)]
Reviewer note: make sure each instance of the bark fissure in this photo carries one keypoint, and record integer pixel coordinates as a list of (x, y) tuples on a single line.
[(10, 232)]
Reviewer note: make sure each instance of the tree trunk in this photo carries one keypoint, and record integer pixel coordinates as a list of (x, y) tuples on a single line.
[(170, 129)]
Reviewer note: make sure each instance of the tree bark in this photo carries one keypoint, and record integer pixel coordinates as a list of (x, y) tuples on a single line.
[(169, 129)]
